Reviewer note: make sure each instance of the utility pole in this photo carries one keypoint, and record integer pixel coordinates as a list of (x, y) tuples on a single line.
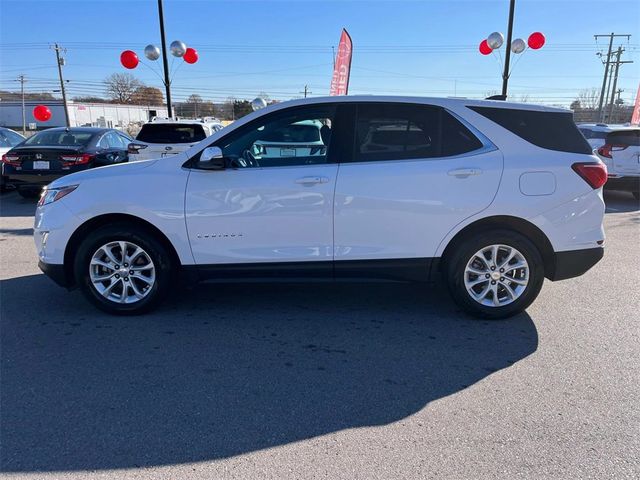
[(507, 57), (306, 91), (60, 62), (21, 79), (604, 89), (615, 79), (165, 64)]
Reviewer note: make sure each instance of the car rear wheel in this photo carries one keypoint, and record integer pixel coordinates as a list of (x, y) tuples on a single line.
[(496, 274), (123, 269)]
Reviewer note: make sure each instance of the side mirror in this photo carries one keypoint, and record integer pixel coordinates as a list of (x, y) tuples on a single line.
[(211, 159)]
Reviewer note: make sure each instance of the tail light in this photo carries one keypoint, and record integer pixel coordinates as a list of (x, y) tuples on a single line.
[(606, 149), (135, 147), (9, 159), (594, 173), (70, 160)]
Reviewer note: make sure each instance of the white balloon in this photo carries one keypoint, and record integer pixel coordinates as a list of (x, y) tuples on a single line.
[(258, 103), (152, 52), (495, 40), (518, 45), (178, 48)]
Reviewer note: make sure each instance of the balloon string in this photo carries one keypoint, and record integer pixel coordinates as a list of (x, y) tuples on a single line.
[(517, 61), (177, 68), (153, 70)]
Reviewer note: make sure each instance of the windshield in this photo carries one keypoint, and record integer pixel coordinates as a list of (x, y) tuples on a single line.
[(171, 133), (60, 138), (293, 133)]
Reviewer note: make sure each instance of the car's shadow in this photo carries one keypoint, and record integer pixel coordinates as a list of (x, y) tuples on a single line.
[(226, 370)]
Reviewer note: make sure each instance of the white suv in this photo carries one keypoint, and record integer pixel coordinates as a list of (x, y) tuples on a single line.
[(162, 137), (621, 155), (491, 196)]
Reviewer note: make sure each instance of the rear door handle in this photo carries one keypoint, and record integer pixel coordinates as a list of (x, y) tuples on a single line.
[(312, 180), (464, 172)]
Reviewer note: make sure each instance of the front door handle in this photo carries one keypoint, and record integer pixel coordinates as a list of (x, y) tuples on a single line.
[(312, 180), (464, 172)]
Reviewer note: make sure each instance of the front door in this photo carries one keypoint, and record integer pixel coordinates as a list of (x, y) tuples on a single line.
[(274, 202)]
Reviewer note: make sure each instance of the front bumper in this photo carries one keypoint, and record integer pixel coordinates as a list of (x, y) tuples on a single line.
[(574, 263), (55, 272)]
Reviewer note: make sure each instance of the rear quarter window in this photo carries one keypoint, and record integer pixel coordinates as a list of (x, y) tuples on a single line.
[(171, 133), (550, 130)]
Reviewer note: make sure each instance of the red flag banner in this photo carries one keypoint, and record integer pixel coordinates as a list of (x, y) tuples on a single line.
[(635, 118), (342, 68)]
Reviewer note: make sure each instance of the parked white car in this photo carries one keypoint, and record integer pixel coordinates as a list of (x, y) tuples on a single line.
[(8, 140), (162, 137), (596, 133), (308, 138), (621, 155), (487, 196)]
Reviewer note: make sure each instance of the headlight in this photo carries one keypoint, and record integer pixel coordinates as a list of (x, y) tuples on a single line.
[(50, 195)]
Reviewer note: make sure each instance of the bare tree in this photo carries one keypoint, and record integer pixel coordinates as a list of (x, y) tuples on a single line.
[(194, 100), (120, 87), (589, 98)]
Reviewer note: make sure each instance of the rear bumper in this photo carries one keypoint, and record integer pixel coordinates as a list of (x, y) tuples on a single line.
[(56, 273), (31, 181), (626, 184), (574, 263)]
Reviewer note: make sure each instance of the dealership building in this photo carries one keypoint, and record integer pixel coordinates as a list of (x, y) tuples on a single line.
[(107, 115)]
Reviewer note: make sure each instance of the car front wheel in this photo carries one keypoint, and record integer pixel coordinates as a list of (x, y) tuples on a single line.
[(123, 269), (495, 274)]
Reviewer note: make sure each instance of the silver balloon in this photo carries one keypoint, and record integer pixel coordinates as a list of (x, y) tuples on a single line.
[(518, 45), (152, 52), (495, 40), (258, 103), (178, 48)]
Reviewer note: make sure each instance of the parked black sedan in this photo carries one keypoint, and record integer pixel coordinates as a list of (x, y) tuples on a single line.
[(55, 152)]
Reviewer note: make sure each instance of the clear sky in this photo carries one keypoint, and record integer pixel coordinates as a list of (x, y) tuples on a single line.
[(424, 47)]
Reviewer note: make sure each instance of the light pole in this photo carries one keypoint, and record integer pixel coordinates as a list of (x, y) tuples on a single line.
[(129, 59), (165, 63), (494, 41)]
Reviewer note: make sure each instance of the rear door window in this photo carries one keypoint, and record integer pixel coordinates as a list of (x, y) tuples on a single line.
[(550, 130), (171, 133), (388, 131)]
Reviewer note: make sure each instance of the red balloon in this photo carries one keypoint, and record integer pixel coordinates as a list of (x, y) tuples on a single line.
[(536, 40), (129, 59), (41, 113), (190, 55), (484, 47)]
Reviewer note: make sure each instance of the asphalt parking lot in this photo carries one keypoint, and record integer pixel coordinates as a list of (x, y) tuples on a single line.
[(286, 381)]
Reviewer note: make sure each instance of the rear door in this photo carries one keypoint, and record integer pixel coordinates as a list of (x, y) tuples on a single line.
[(625, 152), (416, 171)]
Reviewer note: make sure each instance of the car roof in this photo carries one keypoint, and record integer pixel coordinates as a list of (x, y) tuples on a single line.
[(195, 121), (440, 101), (93, 130), (10, 130)]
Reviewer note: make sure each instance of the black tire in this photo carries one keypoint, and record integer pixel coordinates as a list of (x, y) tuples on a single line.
[(456, 263), (133, 234), (29, 193)]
